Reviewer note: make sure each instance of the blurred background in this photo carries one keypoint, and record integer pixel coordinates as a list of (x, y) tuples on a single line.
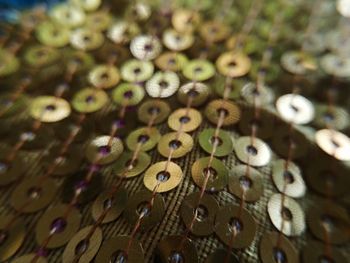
[(9, 8)]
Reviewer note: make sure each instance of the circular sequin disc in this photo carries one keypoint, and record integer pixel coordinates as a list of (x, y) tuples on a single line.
[(156, 110), (49, 109), (135, 70), (216, 170), (233, 64), (198, 70), (170, 249), (334, 143), (89, 100), (128, 94), (138, 205), (329, 222), (295, 108), (145, 47), (125, 167), (223, 141), (174, 144), (205, 216), (145, 138), (229, 110), (33, 194), (162, 176), (104, 150), (246, 183), (52, 223), (186, 119), (289, 218), (196, 92), (115, 204), (80, 249), (288, 180), (286, 252), (231, 223), (114, 250), (171, 61), (256, 153), (162, 84), (104, 76)]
